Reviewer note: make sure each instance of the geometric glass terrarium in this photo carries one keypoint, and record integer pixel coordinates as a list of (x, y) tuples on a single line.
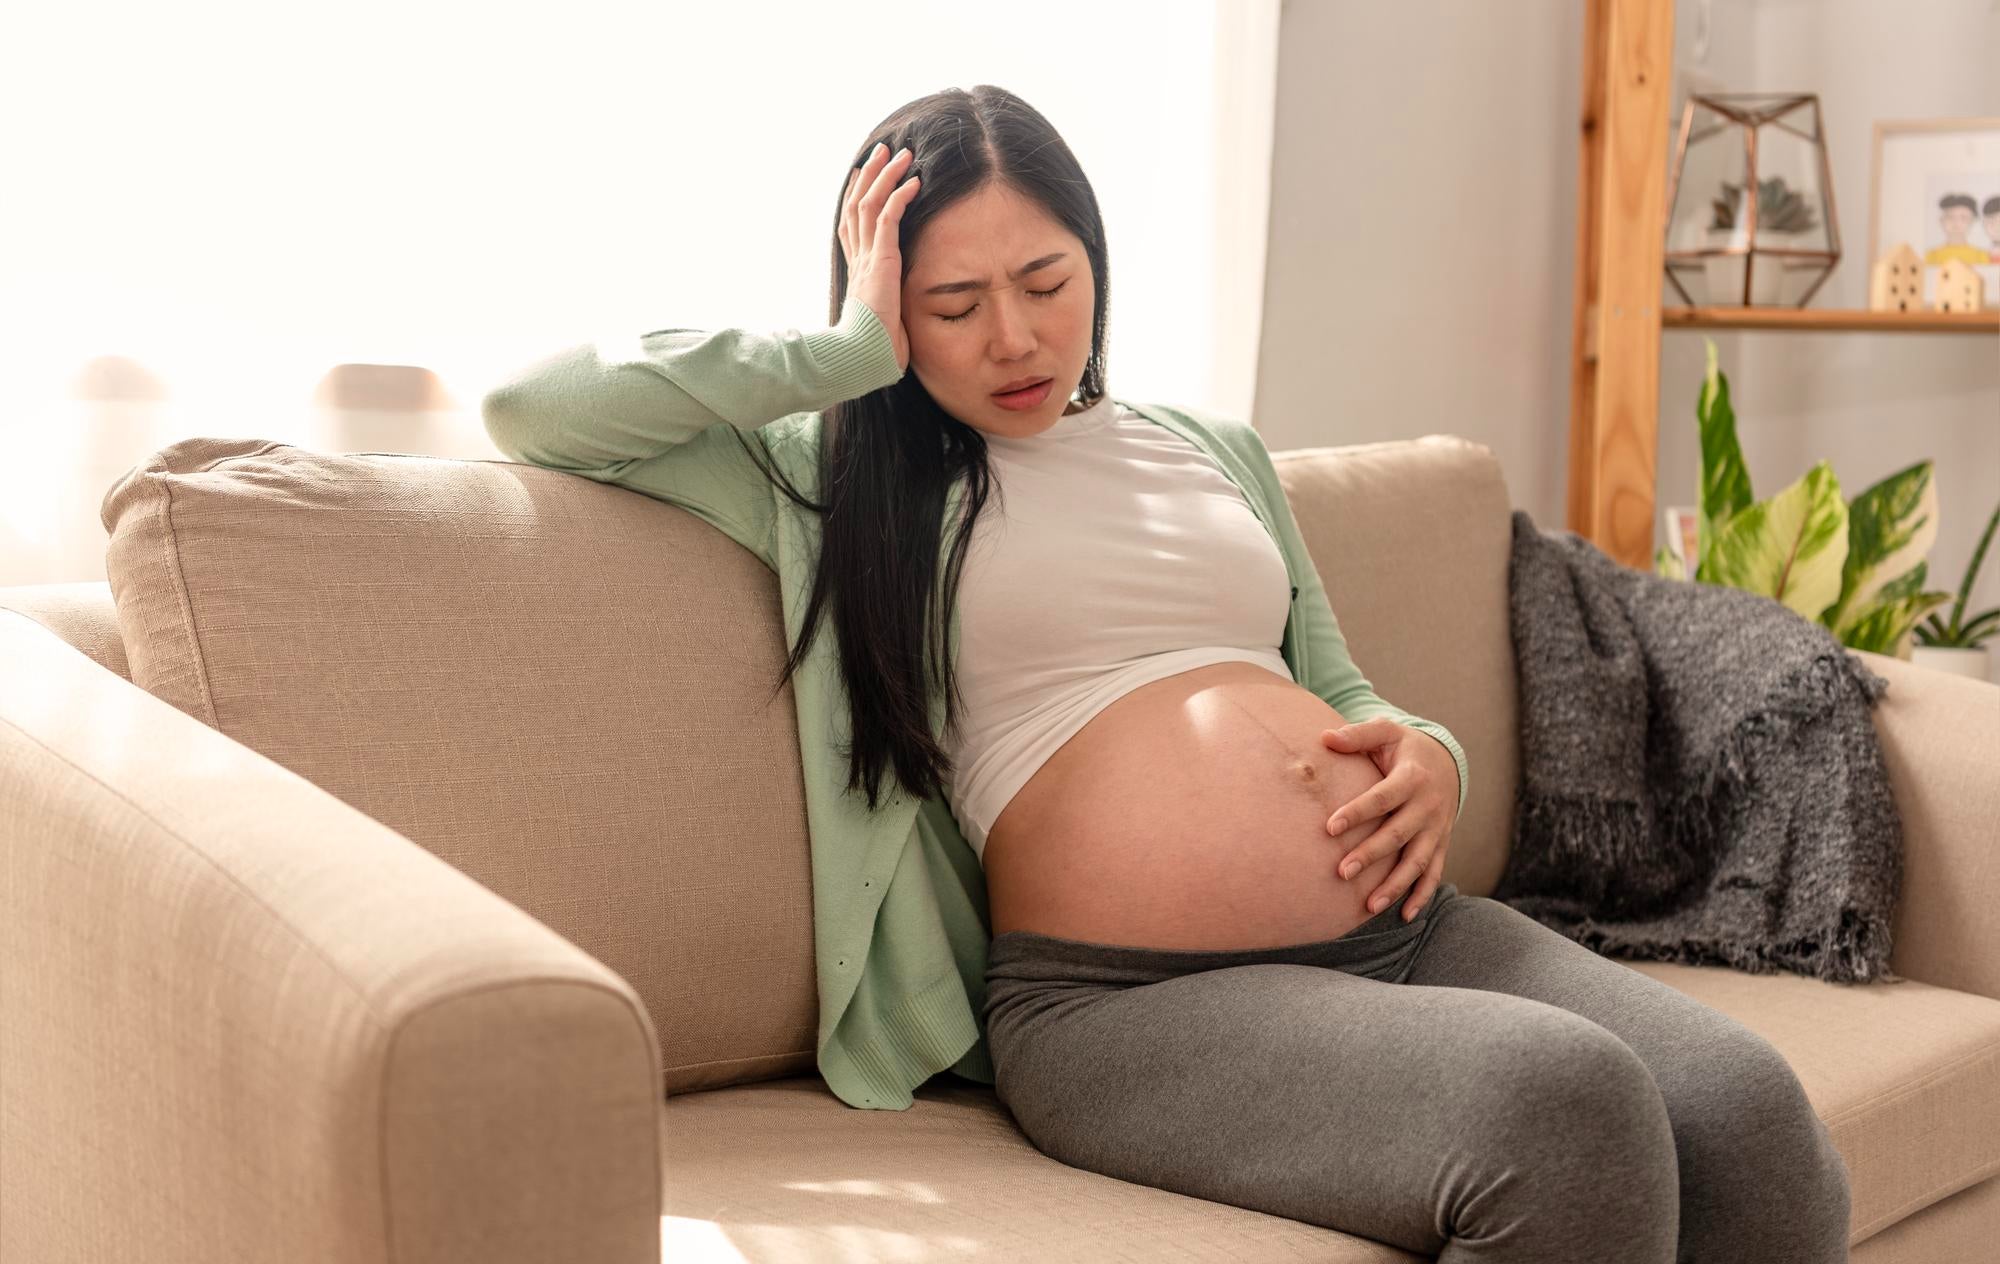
[(1750, 201)]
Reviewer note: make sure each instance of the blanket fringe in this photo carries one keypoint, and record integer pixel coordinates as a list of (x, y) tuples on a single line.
[(1604, 854)]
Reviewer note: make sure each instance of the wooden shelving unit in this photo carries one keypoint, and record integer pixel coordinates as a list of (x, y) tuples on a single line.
[(1617, 317)]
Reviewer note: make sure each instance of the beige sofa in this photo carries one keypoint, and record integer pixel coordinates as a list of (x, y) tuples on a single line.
[(441, 893)]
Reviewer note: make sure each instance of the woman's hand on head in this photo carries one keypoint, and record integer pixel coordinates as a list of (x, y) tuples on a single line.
[(871, 214)]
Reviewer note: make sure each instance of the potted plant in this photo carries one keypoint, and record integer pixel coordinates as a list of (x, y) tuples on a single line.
[(1780, 212), (1957, 645), (1857, 567)]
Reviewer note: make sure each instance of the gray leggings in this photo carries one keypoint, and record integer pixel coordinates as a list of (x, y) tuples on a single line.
[(1471, 1084)]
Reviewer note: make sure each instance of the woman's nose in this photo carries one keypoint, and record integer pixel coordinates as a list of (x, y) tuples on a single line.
[(1013, 336)]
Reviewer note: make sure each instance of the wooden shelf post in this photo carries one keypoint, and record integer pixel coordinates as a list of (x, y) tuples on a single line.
[(1620, 253)]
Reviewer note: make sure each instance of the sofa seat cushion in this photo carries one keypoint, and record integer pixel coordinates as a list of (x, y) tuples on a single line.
[(782, 1171), (1906, 1075)]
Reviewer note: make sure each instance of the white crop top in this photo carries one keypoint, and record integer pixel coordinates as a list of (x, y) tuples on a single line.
[(1110, 553)]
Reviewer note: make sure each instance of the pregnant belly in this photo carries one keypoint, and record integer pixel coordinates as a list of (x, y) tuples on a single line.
[(1190, 813)]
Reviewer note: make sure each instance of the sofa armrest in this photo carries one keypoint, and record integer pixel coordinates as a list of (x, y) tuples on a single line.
[(1940, 737), (240, 1019)]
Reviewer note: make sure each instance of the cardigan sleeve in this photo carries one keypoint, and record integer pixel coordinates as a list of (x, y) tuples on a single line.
[(660, 413)]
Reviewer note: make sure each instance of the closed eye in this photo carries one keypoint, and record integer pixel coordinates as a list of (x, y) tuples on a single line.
[(975, 307)]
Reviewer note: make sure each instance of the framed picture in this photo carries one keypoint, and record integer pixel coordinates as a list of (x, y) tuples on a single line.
[(1935, 183)]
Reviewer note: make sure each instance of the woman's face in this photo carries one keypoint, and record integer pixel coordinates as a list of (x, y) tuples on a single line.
[(989, 323)]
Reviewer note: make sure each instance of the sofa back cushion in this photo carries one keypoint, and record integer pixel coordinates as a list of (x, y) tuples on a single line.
[(1412, 539), (559, 686), (555, 685)]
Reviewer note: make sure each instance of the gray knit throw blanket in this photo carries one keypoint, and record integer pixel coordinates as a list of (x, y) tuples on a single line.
[(1700, 775)]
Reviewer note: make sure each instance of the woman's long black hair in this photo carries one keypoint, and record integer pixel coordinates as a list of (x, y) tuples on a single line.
[(888, 458)]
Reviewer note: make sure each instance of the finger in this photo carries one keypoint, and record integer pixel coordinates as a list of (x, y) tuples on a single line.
[(1376, 800), (1360, 735), (1421, 893), (878, 193), (851, 213), (1412, 779), (1387, 840), (862, 180), (892, 215), (1377, 755), (846, 204), (1405, 875)]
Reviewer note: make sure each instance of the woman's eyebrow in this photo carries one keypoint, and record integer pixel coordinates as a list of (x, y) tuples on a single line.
[(1033, 265)]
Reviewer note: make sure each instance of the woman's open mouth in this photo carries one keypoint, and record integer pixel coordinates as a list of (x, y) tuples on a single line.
[(1026, 397)]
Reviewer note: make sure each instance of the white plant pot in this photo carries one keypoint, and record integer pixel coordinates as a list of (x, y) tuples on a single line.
[(1959, 662)]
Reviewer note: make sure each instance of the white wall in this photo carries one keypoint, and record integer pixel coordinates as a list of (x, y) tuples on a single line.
[(433, 195), (1423, 225), (1422, 230)]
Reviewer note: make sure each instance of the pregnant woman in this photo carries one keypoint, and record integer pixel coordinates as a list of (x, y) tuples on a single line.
[(1224, 959)]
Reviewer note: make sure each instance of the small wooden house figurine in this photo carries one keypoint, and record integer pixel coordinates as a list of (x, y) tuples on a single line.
[(1896, 283), (1958, 288)]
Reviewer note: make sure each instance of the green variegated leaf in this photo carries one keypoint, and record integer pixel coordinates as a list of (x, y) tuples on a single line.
[(1907, 584), (1789, 547), (1725, 479), (1890, 527), (1882, 627)]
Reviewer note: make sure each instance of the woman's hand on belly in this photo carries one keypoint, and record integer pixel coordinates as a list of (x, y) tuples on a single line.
[(1408, 811)]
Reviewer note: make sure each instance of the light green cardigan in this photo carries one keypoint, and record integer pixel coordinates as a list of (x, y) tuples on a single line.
[(900, 923)]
